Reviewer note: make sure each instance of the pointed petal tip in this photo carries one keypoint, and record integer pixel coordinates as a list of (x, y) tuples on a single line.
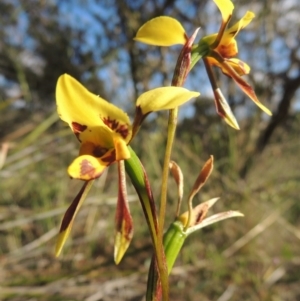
[(224, 110), (232, 122), (57, 252), (215, 219), (265, 109), (60, 242), (121, 246), (237, 213), (212, 201)]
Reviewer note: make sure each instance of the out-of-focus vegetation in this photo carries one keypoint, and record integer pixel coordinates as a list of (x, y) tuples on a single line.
[(257, 169)]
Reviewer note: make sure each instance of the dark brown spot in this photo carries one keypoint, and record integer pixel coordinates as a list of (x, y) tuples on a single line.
[(99, 151), (110, 158), (78, 128)]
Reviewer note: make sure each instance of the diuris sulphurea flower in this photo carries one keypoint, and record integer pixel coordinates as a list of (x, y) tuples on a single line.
[(104, 132), (217, 50)]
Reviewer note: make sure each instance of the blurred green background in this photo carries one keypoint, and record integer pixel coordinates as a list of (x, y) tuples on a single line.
[(257, 169)]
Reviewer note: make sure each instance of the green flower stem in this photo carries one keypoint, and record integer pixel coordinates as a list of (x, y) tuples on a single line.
[(136, 173), (172, 124), (175, 236), (184, 65), (181, 71)]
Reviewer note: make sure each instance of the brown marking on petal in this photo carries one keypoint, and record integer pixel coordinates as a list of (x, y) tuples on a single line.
[(78, 128), (113, 124), (123, 130), (222, 48), (128, 228), (99, 151), (201, 214), (110, 158), (77, 136), (87, 169), (227, 50)]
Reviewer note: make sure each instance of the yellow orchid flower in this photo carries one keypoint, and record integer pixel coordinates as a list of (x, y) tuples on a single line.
[(167, 31), (104, 132), (103, 129), (216, 49), (223, 47)]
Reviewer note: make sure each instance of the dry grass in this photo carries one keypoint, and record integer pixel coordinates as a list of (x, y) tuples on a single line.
[(253, 258)]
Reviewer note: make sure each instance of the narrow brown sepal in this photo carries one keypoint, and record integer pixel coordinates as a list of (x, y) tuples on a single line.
[(203, 176), (123, 218), (183, 64), (69, 217)]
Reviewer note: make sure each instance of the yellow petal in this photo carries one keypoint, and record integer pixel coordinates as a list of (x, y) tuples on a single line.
[(70, 215), (231, 32), (161, 31), (121, 244), (226, 7), (100, 136), (76, 105), (87, 167), (240, 67), (164, 98)]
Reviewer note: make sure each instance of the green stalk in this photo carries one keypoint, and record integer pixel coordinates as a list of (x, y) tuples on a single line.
[(172, 124), (187, 59), (175, 236)]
